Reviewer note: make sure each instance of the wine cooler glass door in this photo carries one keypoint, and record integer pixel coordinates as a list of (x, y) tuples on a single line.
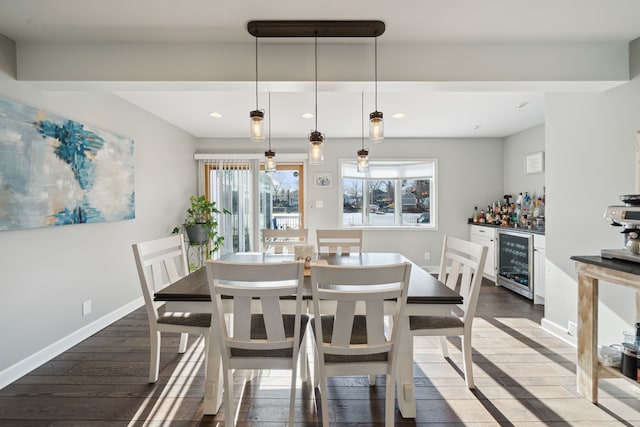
[(515, 262)]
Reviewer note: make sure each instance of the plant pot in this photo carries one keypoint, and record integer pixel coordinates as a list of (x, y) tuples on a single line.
[(197, 234)]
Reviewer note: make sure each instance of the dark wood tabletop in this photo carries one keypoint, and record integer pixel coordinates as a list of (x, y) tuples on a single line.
[(423, 287)]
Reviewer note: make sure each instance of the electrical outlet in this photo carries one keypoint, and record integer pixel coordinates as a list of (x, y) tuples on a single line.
[(427, 256), (86, 307), (572, 329)]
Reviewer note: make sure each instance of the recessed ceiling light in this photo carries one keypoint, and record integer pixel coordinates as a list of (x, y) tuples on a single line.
[(399, 115), (308, 115), (215, 115), (522, 104)]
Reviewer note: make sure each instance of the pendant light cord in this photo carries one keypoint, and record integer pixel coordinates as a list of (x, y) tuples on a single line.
[(316, 69), (362, 119), (269, 113), (375, 38), (256, 73)]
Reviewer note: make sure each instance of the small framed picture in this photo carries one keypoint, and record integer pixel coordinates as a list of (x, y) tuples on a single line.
[(322, 179), (534, 162)]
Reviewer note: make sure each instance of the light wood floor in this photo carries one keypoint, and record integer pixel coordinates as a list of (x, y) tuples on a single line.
[(524, 377)]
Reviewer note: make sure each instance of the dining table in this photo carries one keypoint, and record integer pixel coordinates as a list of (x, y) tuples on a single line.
[(426, 296)]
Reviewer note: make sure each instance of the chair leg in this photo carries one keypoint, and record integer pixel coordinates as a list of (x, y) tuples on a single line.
[(444, 347), (316, 367), (154, 364), (292, 397), (183, 342), (303, 358), (323, 402), (466, 358), (229, 410), (390, 401)]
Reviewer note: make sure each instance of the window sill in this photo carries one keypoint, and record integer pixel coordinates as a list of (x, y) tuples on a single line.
[(391, 227)]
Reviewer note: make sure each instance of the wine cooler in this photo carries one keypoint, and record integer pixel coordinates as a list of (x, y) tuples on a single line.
[(515, 262)]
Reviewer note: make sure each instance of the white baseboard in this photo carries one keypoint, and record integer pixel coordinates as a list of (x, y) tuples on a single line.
[(558, 332), (30, 363)]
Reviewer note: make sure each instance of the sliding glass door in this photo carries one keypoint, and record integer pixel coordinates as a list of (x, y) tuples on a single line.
[(255, 199)]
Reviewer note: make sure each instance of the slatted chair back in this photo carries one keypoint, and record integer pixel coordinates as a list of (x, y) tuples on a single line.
[(254, 326), (283, 239), (160, 262), (461, 269), (351, 335), (339, 241)]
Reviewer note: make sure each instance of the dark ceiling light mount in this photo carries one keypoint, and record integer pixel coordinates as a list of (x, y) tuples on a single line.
[(316, 28)]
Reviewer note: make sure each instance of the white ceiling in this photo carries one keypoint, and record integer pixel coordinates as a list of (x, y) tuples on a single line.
[(440, 114)]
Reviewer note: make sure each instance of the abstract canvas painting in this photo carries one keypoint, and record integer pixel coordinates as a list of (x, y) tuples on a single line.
[(55, 171)]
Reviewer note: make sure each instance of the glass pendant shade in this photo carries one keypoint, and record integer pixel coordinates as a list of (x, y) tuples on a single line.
[(270, 161), (316, 148), (376, 127), (363, 160), (256, 127)]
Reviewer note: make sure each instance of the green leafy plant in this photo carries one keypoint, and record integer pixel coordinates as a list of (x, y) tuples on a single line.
[(201, 222)]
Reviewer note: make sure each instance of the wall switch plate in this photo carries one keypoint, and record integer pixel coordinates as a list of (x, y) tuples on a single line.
[(319, 204), (86, 307), (572, 329), (427, 256)]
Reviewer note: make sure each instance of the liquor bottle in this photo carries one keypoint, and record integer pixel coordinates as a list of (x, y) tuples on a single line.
[(536, 209), (475, 214)]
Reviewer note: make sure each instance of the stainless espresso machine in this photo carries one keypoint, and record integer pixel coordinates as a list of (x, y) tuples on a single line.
[(627, 217)]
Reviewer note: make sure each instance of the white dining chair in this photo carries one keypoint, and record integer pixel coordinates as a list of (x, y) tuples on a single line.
[(255, 328), (339, 241), (461, 268), (283, 239), (351, 335), (161, 262)]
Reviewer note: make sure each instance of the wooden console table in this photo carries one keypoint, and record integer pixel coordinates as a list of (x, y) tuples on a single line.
[(590, 270)]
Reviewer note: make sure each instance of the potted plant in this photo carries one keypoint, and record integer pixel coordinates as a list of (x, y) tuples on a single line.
[(201, 223)]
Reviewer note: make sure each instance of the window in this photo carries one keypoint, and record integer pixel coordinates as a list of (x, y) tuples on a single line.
[(393, 193), (281, 194)]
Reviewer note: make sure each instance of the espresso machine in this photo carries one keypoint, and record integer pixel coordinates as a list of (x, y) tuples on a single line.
[(627, 217)]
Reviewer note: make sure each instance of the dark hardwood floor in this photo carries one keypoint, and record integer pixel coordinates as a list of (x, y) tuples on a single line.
[(524, 377)]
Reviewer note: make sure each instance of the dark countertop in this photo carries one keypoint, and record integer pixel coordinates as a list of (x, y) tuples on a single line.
[(613, 264), (511, 228)]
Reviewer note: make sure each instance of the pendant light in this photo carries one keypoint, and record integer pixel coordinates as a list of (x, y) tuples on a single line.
[(376, 125), (316, 148), (363, 153), (256, 128), (270, 155)]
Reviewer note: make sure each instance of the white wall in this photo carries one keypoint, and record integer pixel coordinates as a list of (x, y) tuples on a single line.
[(515, 148), (469, 173), (591, 149), (48, 272)]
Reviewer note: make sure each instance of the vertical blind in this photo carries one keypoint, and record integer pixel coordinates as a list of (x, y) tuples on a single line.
[(233, 185)]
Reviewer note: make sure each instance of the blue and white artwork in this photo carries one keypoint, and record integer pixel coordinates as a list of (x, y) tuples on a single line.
[(55, 171)]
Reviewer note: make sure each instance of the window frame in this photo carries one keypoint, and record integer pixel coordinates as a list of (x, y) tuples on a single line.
[(433, 196)]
